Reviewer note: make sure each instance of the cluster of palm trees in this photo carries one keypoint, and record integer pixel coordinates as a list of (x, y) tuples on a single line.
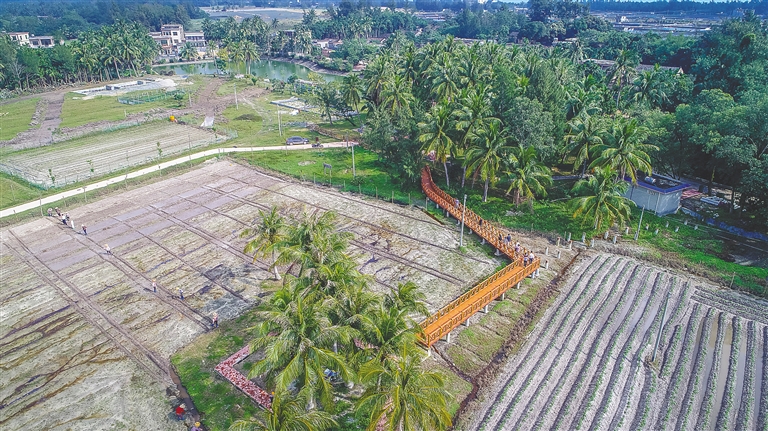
[(324, 331), (248, 40), (112, 51), (504, 114)]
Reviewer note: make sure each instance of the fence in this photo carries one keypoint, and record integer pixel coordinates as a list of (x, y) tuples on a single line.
[(139, 97)]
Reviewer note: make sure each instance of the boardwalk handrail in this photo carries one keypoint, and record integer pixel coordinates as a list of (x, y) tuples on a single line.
[(460, 309)]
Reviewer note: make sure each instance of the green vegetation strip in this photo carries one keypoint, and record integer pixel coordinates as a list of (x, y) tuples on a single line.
[(15, 117), (307, 166)]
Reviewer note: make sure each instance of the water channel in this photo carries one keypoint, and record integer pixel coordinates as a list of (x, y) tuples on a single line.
[(271, 69)]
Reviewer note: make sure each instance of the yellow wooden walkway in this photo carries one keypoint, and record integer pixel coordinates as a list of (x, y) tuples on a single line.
[(462, 308)]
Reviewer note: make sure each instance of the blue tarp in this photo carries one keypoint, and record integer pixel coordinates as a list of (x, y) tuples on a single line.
[(726, 227)]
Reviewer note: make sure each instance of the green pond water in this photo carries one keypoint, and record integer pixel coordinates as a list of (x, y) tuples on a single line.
[(271, 69)]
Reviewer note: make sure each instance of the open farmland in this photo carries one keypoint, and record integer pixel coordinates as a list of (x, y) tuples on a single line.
[(107, 152), (587, 364), (86, 340)]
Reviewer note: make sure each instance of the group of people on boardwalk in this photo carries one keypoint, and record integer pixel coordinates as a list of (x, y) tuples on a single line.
[(487, 230)]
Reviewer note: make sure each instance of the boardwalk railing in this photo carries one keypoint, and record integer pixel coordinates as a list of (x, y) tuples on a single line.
[(462, 308)]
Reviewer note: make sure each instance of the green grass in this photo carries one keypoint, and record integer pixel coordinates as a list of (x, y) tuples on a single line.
[(308, 166), (219, 402), (455, 385), (77, 112), (14, 191), (15, 117)]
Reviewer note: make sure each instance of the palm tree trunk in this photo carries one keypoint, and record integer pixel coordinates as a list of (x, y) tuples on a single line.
[(445, 166), (516, 197), (583, 168), (485, 190), (274, 266), (117, 70), (463, 175)]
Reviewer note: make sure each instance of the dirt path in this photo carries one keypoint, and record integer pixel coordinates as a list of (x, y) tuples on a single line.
[(49, 108)]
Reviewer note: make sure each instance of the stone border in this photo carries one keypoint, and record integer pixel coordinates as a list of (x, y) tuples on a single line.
[(227, 370)]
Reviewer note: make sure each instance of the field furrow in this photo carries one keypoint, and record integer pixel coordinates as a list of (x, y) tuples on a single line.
[(694, 383), (583, 288), (682, 371), (585, 361), (724, 401), (744, 419), (562, 336), (558, 365), (628, 355)]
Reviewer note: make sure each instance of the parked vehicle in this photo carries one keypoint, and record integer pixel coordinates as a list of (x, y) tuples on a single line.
[(317, 145), (298, 140)]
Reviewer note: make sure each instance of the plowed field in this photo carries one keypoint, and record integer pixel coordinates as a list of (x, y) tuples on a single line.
[(588, 363)]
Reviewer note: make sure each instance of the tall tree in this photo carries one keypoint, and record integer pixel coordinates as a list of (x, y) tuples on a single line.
[(484, 157), (287, 413), (527, 176), (436, 135), (601, 199), (402, 396), (624, 150), (269, 235), (584, 135)]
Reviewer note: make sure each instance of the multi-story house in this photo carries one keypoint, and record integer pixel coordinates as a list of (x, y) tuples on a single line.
[(20, 37)]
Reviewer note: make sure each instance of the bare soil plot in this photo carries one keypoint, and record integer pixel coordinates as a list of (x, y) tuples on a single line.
[(84, 338), (107, 152), (587, 364)]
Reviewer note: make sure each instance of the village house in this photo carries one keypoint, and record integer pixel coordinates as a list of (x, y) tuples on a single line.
[(43, 42), (20, 37)]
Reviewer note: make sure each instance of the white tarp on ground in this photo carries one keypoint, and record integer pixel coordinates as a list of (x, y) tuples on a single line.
[(208, 122)]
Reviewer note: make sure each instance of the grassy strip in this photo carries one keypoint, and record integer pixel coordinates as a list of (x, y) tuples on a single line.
[(14, 191), (308, 166), (77, 112), (15, 117), (217, 400)]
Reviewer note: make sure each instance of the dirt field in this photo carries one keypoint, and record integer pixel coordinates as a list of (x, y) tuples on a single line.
[(587, 364), (107, 152), (86, 341)]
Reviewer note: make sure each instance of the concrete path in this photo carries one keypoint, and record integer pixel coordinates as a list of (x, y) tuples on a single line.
[(59, 196)]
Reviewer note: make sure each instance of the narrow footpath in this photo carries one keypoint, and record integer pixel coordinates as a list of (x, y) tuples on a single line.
[(101, 184)]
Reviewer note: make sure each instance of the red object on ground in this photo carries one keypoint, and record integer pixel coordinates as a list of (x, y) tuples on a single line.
[(227, 370)]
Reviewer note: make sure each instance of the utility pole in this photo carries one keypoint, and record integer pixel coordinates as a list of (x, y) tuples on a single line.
[(353, 160), (236, 107), (639, 223), (461, 238)]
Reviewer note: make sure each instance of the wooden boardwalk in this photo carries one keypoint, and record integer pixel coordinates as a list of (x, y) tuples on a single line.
[(462, 308)]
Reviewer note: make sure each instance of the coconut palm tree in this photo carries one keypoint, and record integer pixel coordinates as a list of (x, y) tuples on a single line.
[(623, 149), (602, 199), (327, 96), (650, 88), (250, 54), (474, 113), (489, 147), (297, 338), (623, 70), (188, 52), (397, 96), (584, 135), (402, 396), (436, 135), (351, 91), (287, 413), (528, 177), (407, 297), (269, 235)]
